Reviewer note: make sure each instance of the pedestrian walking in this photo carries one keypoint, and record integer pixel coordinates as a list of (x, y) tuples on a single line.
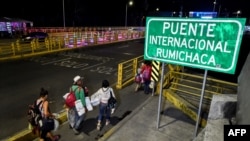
[(74, 118), (104, 94), (139, 78), (48, 119), (146, 74)]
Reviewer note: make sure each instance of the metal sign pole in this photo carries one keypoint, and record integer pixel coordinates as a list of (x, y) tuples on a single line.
[(201, 99), (160, 97)]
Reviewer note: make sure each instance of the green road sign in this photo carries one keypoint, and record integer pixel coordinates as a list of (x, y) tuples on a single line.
[(211, 44)]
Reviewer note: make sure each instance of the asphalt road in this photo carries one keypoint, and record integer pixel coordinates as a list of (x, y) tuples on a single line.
[(21, 80)]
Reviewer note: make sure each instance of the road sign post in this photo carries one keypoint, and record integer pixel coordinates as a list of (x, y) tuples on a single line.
[(211, 44)]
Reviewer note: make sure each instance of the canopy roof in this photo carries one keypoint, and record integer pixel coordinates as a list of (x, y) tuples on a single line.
[(7, 19)]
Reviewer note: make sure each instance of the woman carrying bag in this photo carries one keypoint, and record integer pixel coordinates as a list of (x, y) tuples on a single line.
[(49, 121), (104, 94)]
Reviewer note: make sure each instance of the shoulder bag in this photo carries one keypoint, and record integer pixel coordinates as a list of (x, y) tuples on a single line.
[(112, 101)]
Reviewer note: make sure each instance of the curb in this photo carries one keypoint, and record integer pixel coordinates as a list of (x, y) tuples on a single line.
[(26, 134), (120, 124)]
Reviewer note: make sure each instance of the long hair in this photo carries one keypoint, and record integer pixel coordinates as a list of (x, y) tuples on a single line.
[(43, 92)]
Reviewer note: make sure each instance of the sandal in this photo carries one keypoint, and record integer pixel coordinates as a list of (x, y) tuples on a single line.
[(98, 126), (57, 137), (107, 122)]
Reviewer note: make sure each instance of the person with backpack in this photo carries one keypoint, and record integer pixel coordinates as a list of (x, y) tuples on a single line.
[(146, 74), (47, 124), (34, 115), (74, 118), (138, 78)]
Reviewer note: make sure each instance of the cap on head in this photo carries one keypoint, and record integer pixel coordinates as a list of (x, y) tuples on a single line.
[(76, 78)]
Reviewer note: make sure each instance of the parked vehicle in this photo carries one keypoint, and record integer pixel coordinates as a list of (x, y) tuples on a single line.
[(35, 35)]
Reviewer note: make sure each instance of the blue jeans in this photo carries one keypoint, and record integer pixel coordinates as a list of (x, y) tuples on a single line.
[(104, 109), (78, 119), (146, 86)]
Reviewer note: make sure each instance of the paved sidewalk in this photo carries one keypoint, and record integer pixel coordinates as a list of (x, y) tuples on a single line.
[(141, 125), (136, 119)]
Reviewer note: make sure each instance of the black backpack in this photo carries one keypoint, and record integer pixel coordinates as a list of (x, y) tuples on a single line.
[(34, 114)]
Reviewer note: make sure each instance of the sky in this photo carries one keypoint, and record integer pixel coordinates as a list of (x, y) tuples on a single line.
[(109, 12)]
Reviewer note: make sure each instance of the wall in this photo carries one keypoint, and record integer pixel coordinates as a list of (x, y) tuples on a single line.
[(243, 114)]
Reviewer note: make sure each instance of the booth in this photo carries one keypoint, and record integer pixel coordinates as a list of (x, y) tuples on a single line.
[(12, 26)]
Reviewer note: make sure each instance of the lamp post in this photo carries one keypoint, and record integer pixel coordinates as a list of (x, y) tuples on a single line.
[(126, 14), (214, 5), (63, 15), (238, 12)]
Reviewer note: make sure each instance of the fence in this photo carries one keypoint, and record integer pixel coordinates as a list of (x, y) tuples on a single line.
[(62, 41), (127, 71)]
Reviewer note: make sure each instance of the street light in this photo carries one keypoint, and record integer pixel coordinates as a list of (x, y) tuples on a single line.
[(238, 12), (214, 5), (126, 16), (63, 16)]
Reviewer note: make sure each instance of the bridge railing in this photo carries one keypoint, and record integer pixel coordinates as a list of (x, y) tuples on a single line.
[(80, 29), (61, 41), (127, 71)]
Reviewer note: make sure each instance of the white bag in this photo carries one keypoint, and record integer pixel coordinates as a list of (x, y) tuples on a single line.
[(79, 107), (95, 99), (56, 125), (65, 96), (88, 104)]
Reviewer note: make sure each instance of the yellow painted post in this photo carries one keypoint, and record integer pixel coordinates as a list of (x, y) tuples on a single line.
[(142, 34), (116, 36), (60, 43), (37, 45), (50, 44), (32, 46), (95, 39), (135, 66), (18, 45), (53, 42), (13, 48), (119, 77), (75, 40), (66, 41), (47, 43)]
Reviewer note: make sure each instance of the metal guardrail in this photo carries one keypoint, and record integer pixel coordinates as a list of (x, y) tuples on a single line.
[(81, 29), (173, 80), (185, 90), (127, 71), (215, 86), (65, 41)]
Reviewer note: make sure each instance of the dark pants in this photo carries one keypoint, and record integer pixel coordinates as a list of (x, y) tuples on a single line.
[(146, 86), (48, 126), (104, 109)]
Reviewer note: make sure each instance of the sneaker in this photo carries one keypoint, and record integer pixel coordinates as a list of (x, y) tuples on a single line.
[(76, 131), (98, 126), (107, 122)]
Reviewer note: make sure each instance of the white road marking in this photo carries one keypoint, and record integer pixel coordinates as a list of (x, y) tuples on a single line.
[(92, 66), (56, 61)]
